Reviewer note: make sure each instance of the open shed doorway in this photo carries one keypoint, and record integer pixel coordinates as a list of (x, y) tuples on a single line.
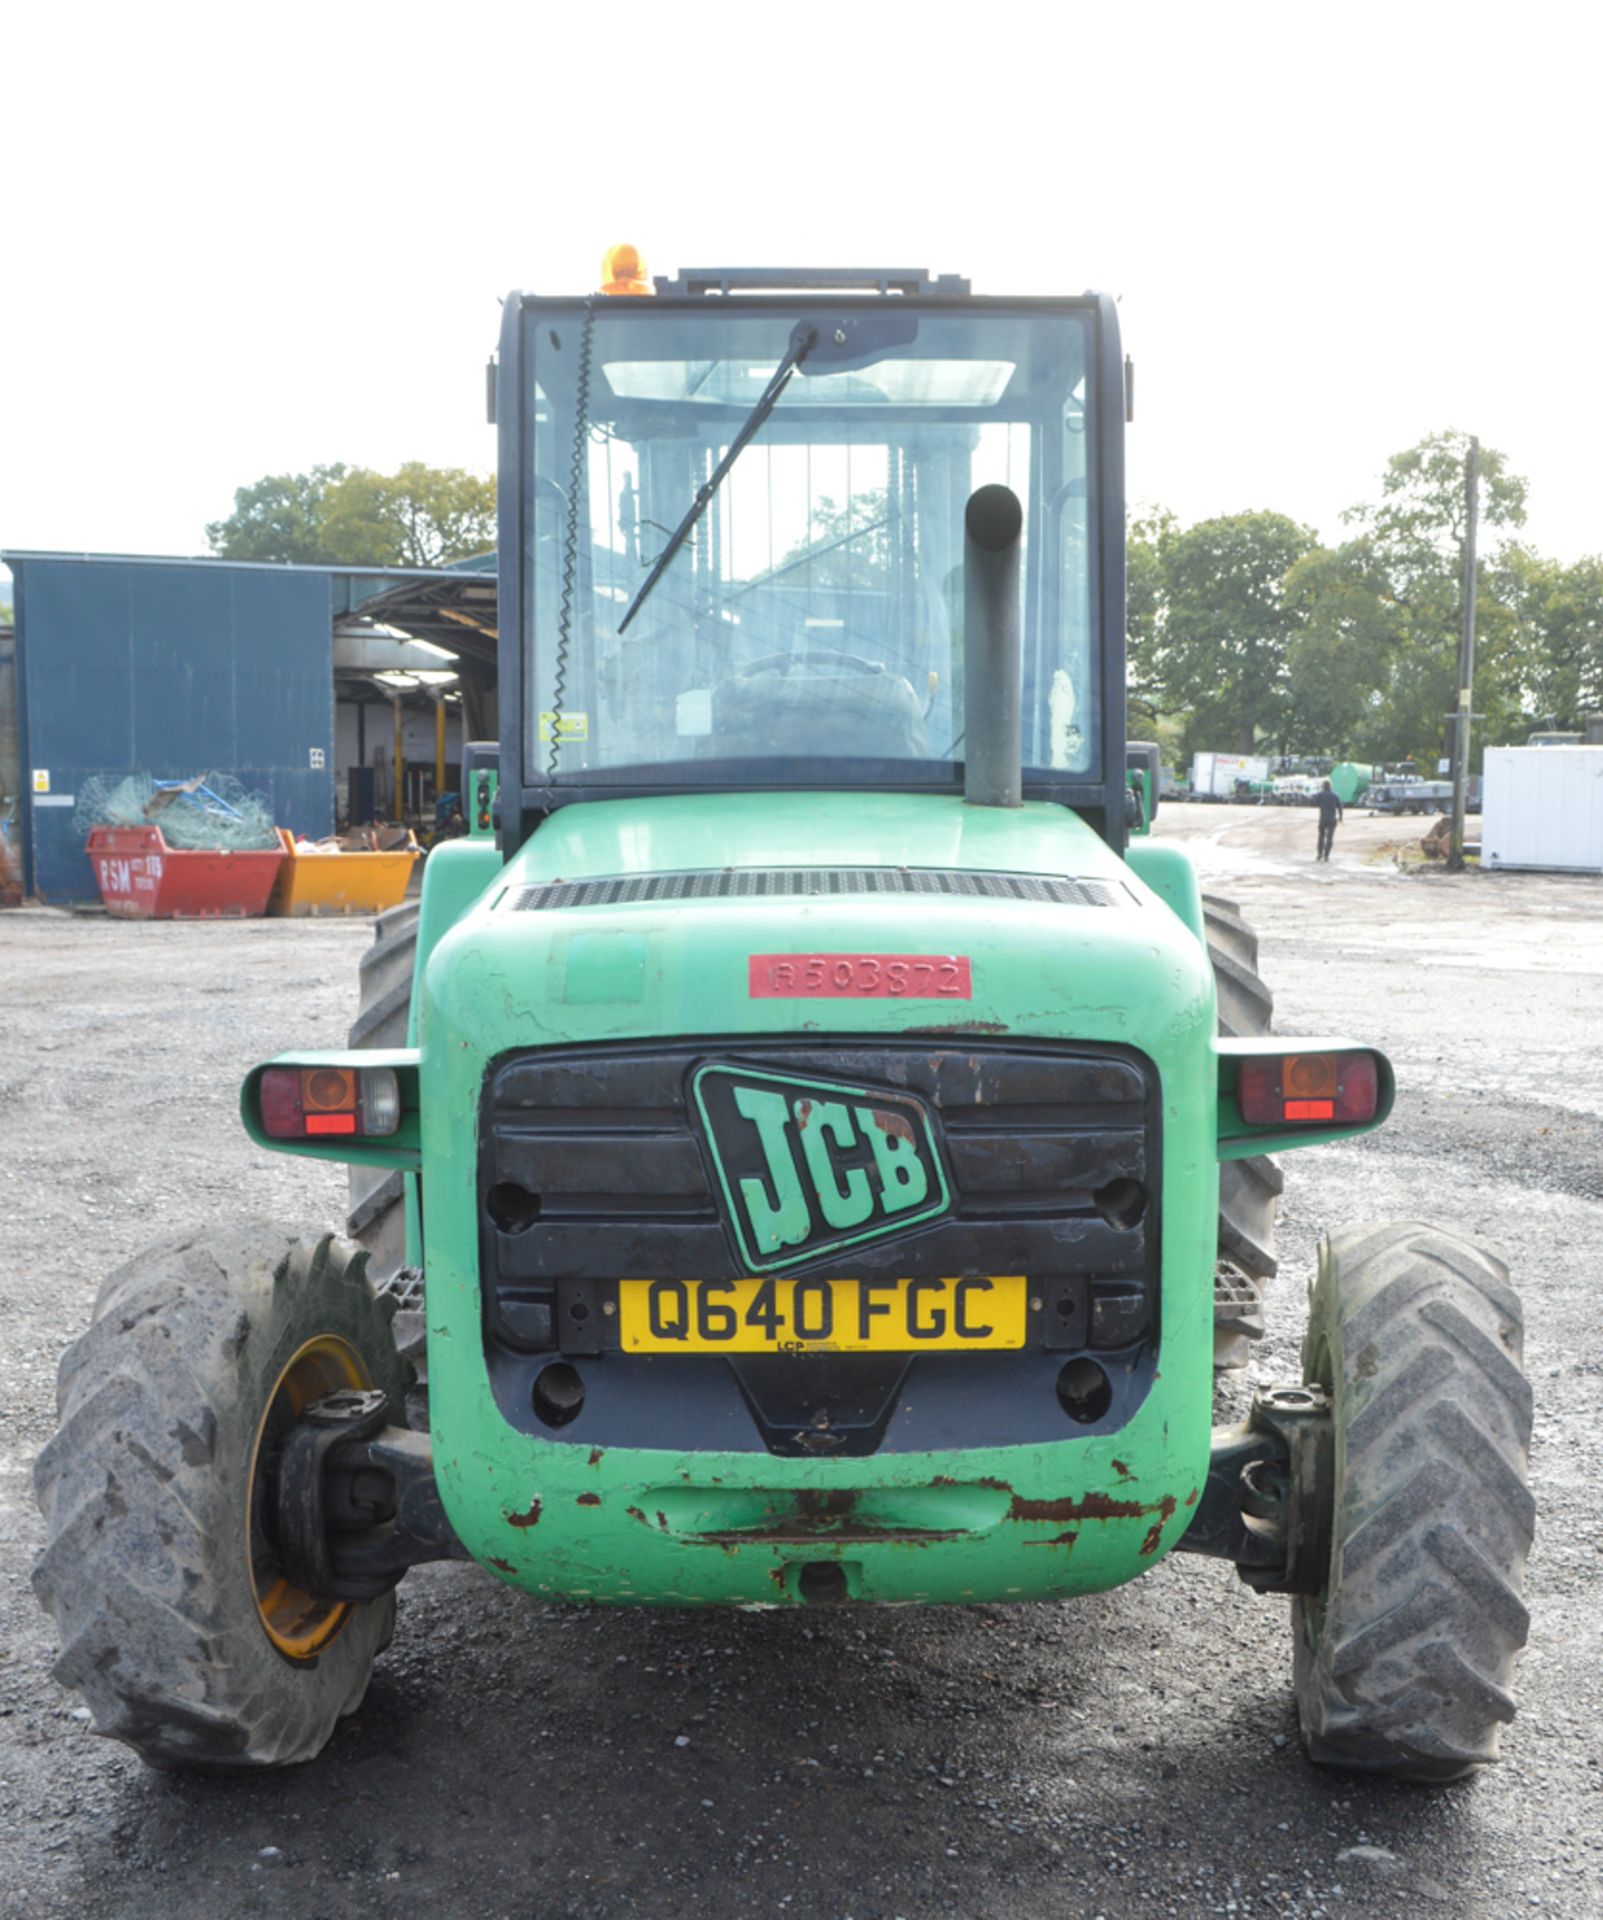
[(414, 677)]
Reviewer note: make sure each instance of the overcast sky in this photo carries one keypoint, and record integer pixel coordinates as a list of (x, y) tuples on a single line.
[(244, 240)]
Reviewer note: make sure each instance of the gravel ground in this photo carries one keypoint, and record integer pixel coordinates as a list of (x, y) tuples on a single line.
[(1130, 1755)]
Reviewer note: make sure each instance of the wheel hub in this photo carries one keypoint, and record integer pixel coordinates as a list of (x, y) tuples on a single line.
[(299, 1624)]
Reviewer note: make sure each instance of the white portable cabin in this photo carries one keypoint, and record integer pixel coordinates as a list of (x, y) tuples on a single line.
[(1214, 775), (1543, 808)]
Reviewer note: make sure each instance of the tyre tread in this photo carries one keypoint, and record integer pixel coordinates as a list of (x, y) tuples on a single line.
[(1408, 1667), (136, 1570), (376, 1206), (1250, 1189)]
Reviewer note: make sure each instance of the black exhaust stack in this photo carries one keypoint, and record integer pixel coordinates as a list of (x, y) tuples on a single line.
[(993, 525)]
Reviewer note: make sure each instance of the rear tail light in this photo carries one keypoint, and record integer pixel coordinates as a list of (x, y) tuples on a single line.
[(1333, 1089), (311, 1103)]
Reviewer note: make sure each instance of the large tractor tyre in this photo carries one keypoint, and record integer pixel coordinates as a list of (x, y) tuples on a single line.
[(1405, 1663), (1246, 1006), (1249, 1190), (177, 1626), (377, 1218)]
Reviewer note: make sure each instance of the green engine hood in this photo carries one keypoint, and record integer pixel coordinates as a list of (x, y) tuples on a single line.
[(1113, 963), (700, 831)]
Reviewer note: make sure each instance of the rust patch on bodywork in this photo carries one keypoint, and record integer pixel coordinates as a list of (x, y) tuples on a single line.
[(835, 1515), (794, 1533), (495, 1560), (588, 1500), (819, 1505), (1092, 1506), (530, 1518), (1154, 1535), (1057, 1540), (1122, 1470), (635, 1513), (595, 1456), (964, 1026)]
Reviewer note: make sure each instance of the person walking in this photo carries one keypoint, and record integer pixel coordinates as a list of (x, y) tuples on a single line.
[(1329, 806)]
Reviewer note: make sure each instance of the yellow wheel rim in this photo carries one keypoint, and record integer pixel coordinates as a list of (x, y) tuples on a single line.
[(299, 1625)]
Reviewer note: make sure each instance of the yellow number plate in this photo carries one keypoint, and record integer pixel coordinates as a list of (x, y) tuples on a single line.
[(821, 1316)]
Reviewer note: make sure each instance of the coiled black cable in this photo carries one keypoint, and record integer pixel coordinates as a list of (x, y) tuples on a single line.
[(570, 542)]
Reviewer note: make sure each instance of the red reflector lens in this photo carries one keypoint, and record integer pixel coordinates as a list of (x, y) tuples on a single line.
[(283, 1117), (330, 1123), (1258, 1093), (1287, 1088), (1358, 1090)]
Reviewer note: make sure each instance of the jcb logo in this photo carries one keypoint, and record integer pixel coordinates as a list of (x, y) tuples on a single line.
[(805, 1166)]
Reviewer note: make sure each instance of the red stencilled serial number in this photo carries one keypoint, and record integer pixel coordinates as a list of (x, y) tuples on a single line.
[(860, 976)]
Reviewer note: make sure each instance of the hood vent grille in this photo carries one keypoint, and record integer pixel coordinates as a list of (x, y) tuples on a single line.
[(777, 883)]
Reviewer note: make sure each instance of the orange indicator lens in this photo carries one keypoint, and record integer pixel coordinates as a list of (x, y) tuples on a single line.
[(1310, 1076), (329, 1090)]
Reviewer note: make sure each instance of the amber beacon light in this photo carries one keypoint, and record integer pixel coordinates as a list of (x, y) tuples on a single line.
[(623, 271)]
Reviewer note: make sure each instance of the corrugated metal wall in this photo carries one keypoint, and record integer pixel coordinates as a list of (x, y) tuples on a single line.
[(171, 670), (12, 807)]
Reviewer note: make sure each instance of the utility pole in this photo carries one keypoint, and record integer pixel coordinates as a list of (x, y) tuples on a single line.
[(1466, 660)]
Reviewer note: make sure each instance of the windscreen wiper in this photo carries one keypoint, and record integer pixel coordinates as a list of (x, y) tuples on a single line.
[(803, 336)]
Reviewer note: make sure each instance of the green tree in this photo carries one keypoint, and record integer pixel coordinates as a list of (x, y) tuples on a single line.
[(1417, 526), (418, 516), (1373, 671), (1147, 538), (846, 547), (1226, 627), (279, 517), (1558, 613), (1337, 665), (1411, 542)]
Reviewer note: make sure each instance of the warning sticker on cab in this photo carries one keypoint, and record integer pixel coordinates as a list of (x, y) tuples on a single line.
[(860, 976)]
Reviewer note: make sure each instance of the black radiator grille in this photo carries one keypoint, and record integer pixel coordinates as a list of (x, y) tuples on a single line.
[(605, 1140), (775, 883), (592, 1170)]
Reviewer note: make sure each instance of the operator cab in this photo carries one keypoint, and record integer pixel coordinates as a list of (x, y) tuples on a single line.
[(733, 536)]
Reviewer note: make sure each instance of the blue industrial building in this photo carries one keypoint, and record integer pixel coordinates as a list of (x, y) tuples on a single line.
[(174, 667)]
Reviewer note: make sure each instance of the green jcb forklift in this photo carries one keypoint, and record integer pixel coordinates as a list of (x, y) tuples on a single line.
[(816, 1114)]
